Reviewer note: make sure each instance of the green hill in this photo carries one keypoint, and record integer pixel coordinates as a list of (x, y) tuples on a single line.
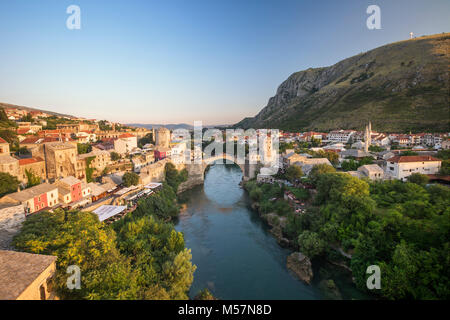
[(403, 86)]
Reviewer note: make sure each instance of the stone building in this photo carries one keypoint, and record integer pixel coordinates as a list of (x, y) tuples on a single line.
[(154, 172), (26, 276), (4, 147), (372, 171), (9, 165), (61, 159), (35, 164), (162, 137), (100, 159), (80, 169)]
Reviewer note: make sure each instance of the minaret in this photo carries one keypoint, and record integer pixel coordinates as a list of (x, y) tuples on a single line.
[(369, 135), (366, 139)]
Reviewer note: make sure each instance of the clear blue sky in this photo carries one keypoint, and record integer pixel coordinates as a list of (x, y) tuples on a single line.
[(180, 61)]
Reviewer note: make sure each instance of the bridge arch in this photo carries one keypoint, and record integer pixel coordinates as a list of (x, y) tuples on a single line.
[(209, 161)]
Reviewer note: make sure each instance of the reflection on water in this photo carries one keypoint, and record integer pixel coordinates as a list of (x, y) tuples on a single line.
[(236, 256)]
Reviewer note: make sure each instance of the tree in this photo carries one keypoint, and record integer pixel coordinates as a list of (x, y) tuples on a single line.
[(78, 238), (89, 171), (115, 156), (319, 169), (418, 178), (173, 177), (374, 148), (148, 138), (130, 179), (32, 179), (349, 165), (445, 168), (205, 294), (158, 252), (409, 153), (310, 244), (27, 118), (3, 116), (443, 154), (84, 148), (8, 183), (294, 173), (333, 157)]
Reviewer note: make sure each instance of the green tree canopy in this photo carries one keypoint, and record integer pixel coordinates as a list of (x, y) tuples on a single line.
[(294, 173), (84, 148), (115, 156), (78, 238), (418, 178), (173, 177), (8, 183), (310, 244), (319, 169), (130, 179), (32, 179)]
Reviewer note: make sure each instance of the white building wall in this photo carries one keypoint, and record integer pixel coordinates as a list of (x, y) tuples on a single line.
[(402, 170)]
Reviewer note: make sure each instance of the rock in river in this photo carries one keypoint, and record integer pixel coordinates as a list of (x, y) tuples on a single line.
[(301, 266)]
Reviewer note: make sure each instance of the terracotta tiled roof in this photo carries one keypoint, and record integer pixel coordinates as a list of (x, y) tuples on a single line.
[(26, 161), (126, 135), (23, 130), (412, 159), (2, 141), (30, 140)]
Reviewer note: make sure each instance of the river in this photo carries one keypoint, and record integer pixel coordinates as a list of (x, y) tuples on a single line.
[(235, 255)]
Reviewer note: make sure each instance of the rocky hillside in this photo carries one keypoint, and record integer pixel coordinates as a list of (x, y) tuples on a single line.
[(401, 86)]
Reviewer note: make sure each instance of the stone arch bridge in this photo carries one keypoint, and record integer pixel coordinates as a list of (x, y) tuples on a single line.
[(196, 171)]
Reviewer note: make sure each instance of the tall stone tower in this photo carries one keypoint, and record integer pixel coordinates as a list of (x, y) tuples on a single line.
[(162, 137), (368, 137)]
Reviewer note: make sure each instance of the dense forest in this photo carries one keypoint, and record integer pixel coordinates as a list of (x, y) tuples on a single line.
[(404, 228)]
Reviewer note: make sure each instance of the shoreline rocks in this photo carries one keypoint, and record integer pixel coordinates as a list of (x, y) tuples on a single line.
[(330, 290), (301, 266)]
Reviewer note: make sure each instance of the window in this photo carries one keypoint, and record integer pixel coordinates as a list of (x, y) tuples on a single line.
[(42, 292)]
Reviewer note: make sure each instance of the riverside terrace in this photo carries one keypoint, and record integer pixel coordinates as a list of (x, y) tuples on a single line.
[(122, 202)]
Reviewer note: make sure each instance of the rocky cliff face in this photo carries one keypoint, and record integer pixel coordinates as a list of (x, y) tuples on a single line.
[(401, 86)]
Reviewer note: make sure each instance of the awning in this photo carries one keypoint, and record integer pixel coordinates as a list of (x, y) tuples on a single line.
[(153, 185), (107, 211)]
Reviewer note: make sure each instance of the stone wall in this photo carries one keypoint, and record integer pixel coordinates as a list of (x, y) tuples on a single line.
[(11, 219), (195, 177)]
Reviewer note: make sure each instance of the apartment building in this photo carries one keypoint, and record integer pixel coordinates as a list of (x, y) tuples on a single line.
[(400, 167)]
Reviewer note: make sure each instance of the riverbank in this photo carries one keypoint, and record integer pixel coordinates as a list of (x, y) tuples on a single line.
[(330, 271)]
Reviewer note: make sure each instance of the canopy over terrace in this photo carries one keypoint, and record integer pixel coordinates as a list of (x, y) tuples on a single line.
[(107, 211), (153, 185)]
